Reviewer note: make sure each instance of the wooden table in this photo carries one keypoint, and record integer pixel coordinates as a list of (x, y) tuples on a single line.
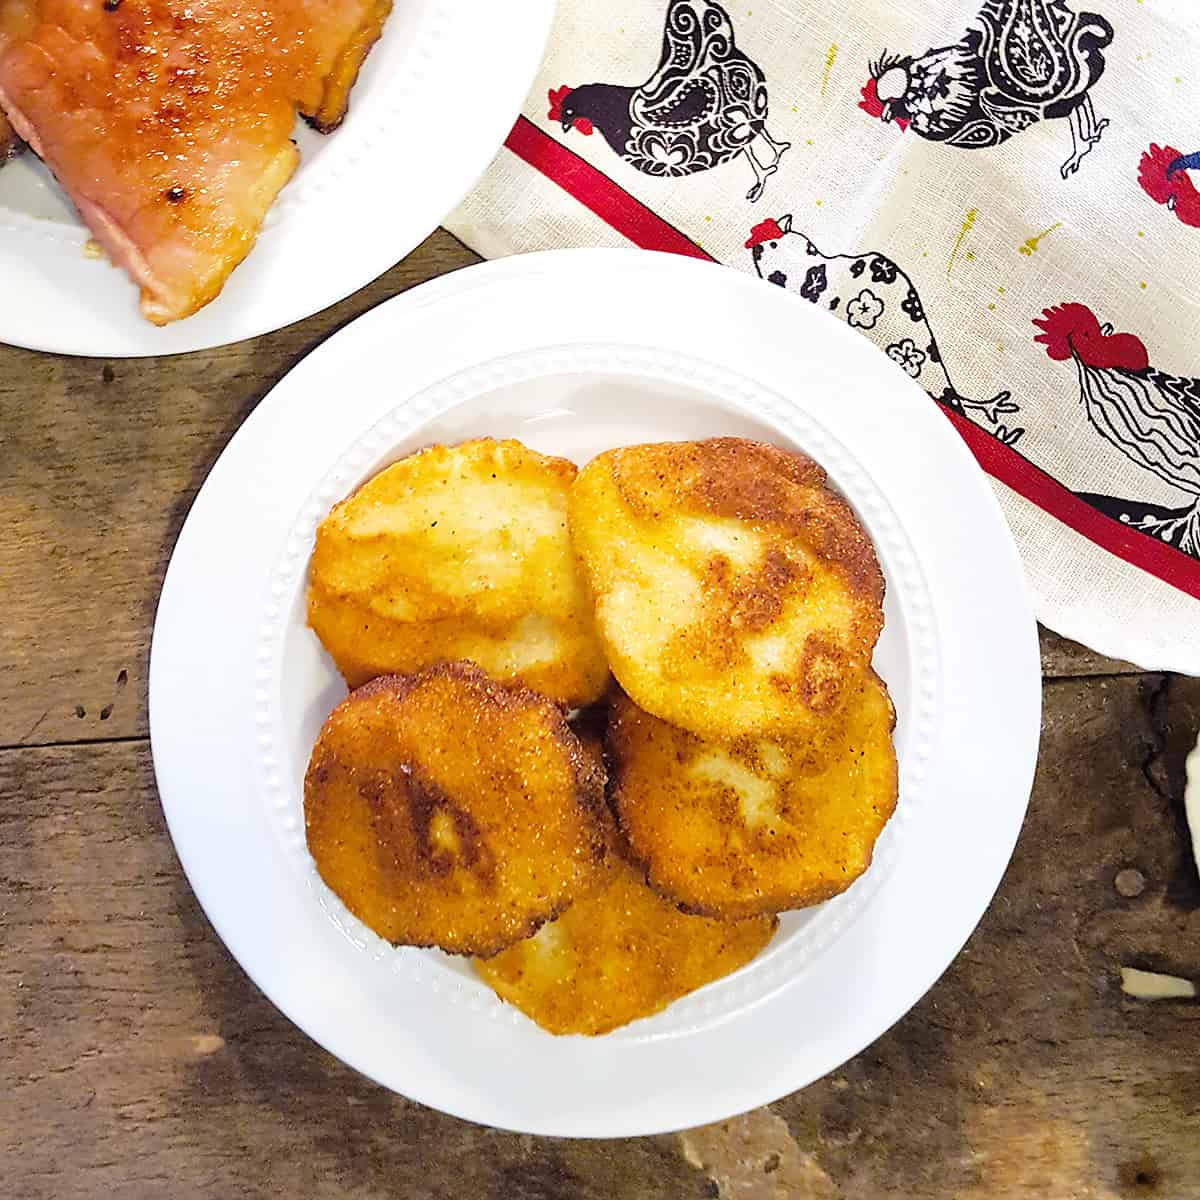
[(136, 1060)]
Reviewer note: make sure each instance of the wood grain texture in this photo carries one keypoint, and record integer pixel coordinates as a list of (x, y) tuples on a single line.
[(1063, 658), (136, 1059), (139, 1059), (140, 1062), (99, 464)]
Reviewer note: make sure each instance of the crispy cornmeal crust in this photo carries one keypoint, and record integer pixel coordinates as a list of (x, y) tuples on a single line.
[(619, 953), (736, 593), (458, 552), (754, 825), (448, 809)]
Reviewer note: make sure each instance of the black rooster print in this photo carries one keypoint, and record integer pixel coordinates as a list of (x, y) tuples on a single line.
[(705, 104), (873, 295), (1022, 61), (1151, 416)]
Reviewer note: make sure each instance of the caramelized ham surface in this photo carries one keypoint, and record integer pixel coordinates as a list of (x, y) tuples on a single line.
[(169, 122), (342, 34)]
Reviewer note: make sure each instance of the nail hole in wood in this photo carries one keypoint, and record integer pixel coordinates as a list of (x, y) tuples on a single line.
[(1139, 1178)]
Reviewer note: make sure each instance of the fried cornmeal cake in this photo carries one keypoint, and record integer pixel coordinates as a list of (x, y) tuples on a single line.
[(449, 809), (755, 825), (458, 552), (620, 952), (736, 593)]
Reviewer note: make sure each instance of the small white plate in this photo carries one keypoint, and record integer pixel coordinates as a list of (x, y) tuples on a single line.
[(574, 352), (434, 102)]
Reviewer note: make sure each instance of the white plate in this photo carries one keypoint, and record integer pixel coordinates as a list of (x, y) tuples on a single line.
[(435, 100), (574, 352)]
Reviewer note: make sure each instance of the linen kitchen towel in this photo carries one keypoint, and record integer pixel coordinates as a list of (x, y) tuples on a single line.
[(1002, 195)]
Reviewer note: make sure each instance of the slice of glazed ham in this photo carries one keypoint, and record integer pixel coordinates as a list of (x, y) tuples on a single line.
[(168, 122)]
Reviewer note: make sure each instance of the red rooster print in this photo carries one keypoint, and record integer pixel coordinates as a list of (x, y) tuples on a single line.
[(705, 104), (1153, 418), (1021, 62), (1163, 175)]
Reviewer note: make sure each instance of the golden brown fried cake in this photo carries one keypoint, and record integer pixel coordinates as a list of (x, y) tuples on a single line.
[(562, 661), (735, 592), (448, 809), (459, 553), (618, 953), (754, 825)]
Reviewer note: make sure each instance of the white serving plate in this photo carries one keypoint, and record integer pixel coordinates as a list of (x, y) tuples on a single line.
[(434, 102), (574, 352)]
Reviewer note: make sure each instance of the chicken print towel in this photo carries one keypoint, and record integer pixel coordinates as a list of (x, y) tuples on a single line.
[(1002, 195)]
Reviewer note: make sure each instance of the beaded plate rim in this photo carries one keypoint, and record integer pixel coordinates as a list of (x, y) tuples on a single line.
[(782, 961)]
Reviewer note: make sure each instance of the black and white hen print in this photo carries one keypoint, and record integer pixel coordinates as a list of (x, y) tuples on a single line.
[(873, 295), (705, 105), (1019, 62)]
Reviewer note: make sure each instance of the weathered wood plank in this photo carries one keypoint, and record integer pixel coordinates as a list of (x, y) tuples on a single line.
[(1025, 1072), (1063, 658), (99, 463), (137, 1059)]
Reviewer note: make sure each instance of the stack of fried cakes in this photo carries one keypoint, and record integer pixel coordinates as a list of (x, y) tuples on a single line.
[(738, 600), (597, 864)]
